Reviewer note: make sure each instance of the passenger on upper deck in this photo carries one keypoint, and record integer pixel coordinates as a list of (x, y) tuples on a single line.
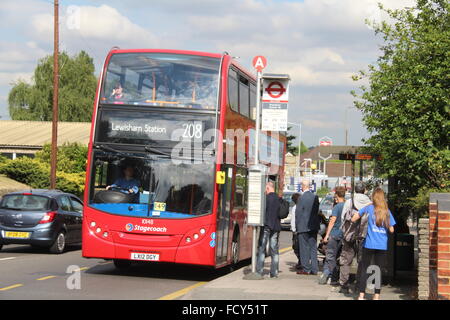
[(117, 93)]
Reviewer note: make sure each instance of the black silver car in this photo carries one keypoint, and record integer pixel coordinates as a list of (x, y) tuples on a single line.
[(41, 218)]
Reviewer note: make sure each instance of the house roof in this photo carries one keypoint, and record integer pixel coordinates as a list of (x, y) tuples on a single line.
[(34, 134)]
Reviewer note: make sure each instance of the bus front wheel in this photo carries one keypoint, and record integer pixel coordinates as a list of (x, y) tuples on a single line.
[(122, 264)]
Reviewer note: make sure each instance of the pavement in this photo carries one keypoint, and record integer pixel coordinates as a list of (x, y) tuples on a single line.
[(288, 286)]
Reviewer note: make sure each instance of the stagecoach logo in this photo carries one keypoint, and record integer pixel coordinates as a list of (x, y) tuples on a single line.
[(130, 227)]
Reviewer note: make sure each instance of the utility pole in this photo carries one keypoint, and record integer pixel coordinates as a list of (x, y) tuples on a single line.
[(53, 159)]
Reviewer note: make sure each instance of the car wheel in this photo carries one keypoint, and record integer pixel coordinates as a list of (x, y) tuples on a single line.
[(1, 246), (59, 245), (122, 264)]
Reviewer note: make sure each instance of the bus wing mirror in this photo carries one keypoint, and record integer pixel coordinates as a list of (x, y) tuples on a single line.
[(220, 177)]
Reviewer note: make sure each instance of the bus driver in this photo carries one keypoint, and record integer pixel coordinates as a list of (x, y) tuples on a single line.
[(128, 184)]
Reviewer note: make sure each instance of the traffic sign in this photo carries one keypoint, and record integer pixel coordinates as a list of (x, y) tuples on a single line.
[(275, 89), (275, 102), (325, 141), (259, 63)]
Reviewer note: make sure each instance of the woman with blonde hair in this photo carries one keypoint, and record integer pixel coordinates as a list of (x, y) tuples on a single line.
[(375, 246)]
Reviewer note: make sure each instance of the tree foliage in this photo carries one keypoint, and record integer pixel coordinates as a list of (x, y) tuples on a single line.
[(405, 105), (70, 174), (292, 148), (77, 85), (71, 157)]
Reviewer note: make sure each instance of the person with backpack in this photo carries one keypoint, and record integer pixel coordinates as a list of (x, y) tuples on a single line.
[(307, 225), (375, 246), (351, 237), (333, 239), (270, 233)]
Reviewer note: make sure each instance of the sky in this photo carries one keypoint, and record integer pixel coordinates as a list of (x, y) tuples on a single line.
[(319, 43)]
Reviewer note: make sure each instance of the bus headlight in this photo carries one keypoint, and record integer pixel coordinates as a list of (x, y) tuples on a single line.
[(98, 230), (93, 224), (188, 239)]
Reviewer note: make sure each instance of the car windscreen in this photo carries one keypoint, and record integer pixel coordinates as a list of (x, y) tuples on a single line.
[(327, 202), (25, 202)]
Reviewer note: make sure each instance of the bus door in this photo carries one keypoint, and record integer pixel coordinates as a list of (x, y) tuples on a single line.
[(223, 216)]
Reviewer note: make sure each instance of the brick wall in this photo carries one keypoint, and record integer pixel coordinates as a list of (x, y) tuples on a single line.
[(439, 246), (443, 252), (424, 259)]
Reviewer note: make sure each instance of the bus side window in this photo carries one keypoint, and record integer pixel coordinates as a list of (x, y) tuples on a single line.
[(233, 91), (244, 96)]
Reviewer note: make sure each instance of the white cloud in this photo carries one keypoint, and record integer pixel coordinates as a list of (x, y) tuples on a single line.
[(320, 43), (8, 78)]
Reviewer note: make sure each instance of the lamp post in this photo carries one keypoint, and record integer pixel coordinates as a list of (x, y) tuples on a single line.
[(299, 142)]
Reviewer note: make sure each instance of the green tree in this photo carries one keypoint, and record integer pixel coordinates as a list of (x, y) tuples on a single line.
[(405, 105), (294, 148), (71, 157), (77, 85)]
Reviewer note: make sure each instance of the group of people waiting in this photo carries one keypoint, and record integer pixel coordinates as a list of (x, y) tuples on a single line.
[(358, 227)]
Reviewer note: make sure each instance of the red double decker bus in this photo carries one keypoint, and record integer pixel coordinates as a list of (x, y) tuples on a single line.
[(171, 142)]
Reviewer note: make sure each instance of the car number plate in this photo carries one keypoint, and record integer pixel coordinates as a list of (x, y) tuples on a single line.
[(17, 235), (144, 256)]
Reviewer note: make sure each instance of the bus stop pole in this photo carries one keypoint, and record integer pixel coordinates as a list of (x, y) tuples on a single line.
[(258, 128)]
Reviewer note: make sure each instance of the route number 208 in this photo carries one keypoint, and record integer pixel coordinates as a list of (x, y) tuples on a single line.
[(193, 130)]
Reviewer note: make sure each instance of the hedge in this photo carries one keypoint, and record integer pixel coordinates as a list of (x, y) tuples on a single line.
[(36, 174)]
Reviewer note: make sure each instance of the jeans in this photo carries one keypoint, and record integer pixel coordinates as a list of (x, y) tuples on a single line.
[(308, 251), (272, 237), (330, 266), (379, 257)]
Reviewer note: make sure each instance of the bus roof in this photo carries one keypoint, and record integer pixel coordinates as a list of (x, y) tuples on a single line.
[(188, 52)]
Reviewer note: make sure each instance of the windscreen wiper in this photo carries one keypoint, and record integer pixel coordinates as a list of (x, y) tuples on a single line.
[(106, 148), (158, 152), (112, 150), (154, 150)]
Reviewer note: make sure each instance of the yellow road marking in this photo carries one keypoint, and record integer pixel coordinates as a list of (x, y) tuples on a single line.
[(285, 249), (11, 287), (181, 292), (81, 269), (46, 278)]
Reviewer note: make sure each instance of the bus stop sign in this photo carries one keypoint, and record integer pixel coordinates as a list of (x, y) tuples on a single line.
[(259, 63)]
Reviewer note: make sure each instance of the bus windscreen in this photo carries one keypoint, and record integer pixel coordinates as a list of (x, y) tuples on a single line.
[(162, 79), (134, 184)]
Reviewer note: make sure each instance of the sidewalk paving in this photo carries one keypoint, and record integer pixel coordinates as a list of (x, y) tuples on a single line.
[(288, 286)]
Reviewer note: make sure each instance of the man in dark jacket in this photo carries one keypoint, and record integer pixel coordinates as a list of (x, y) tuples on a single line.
[(307, 224), (270, 232)]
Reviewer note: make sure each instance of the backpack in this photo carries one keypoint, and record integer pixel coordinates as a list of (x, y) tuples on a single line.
[(283, 211), (350, 229), (354, 231)]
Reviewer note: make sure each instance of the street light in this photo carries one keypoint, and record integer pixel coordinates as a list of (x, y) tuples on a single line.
[(299, 141)]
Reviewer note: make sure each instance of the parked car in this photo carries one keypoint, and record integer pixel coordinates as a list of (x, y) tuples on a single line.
[(326, 204), (41, 218)]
